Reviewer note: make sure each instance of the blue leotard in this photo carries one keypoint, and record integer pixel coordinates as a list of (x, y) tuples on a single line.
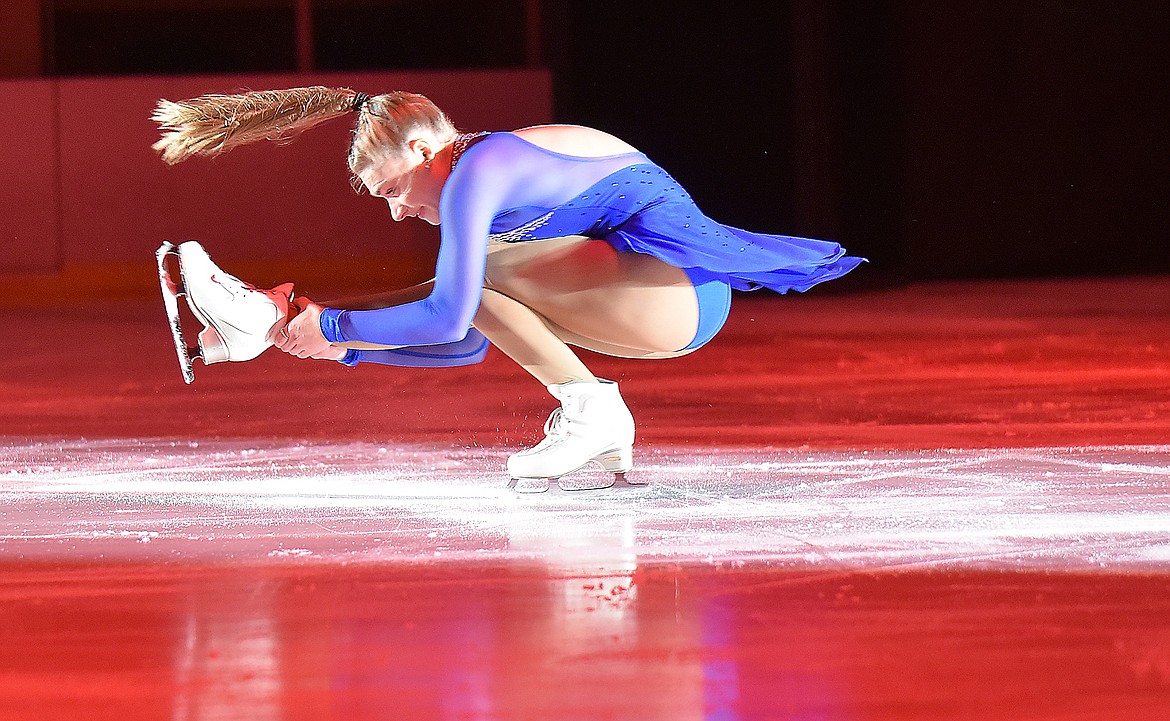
[(511, 190)]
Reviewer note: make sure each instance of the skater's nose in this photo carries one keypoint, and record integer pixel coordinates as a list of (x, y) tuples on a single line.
[(398, 211)]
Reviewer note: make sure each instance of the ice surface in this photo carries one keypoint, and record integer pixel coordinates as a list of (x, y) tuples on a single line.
[(267, 500)]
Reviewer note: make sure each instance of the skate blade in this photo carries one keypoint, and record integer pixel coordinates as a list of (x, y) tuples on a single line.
[(618, 482), (170, 295)]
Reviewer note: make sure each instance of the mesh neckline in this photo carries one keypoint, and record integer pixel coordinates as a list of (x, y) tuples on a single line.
[(461, 143)]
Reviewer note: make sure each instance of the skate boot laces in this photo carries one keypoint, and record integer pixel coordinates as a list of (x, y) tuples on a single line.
[(556, 431), (557, 424)]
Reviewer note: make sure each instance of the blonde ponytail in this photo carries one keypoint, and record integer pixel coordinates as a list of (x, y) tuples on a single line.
[(213, 124)]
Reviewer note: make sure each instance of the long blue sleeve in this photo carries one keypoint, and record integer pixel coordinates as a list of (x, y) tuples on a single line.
[(469, 351)]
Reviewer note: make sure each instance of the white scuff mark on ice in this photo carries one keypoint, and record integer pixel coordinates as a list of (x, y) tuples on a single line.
[(1155, 552), (290, 553)]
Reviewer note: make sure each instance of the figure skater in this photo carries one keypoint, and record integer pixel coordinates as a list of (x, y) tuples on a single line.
[(552, 237)]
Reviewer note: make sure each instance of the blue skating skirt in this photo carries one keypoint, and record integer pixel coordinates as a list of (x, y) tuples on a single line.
[(679, 234)]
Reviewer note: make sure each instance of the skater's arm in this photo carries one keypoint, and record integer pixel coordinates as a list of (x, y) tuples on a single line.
[(470, 350), (471, 197)]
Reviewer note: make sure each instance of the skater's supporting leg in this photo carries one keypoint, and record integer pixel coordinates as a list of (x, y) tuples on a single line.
[(542, 296), (527, 338)]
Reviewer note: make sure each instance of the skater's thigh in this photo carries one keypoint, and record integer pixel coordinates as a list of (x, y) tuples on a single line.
[(595, 297)]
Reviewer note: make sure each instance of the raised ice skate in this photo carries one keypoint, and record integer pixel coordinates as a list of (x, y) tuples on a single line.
[(593, 425), (239, 320)]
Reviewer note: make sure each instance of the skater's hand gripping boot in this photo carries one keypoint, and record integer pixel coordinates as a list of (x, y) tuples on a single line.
[(302, 336)]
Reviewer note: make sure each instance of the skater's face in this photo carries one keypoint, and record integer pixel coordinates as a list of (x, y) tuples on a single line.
[(410, 184)]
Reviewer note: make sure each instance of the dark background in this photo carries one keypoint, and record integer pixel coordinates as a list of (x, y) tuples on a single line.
[(941, 140)]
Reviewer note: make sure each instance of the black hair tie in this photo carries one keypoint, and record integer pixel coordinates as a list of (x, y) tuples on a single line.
[(358, 101)]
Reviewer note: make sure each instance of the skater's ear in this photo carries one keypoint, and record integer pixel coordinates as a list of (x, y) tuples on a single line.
[(420, 149)]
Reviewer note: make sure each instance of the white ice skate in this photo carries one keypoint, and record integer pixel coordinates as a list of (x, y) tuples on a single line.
[(592, 425), (239, 320)]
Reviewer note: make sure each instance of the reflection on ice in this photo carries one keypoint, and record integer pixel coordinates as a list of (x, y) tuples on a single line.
[(225, 662)]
